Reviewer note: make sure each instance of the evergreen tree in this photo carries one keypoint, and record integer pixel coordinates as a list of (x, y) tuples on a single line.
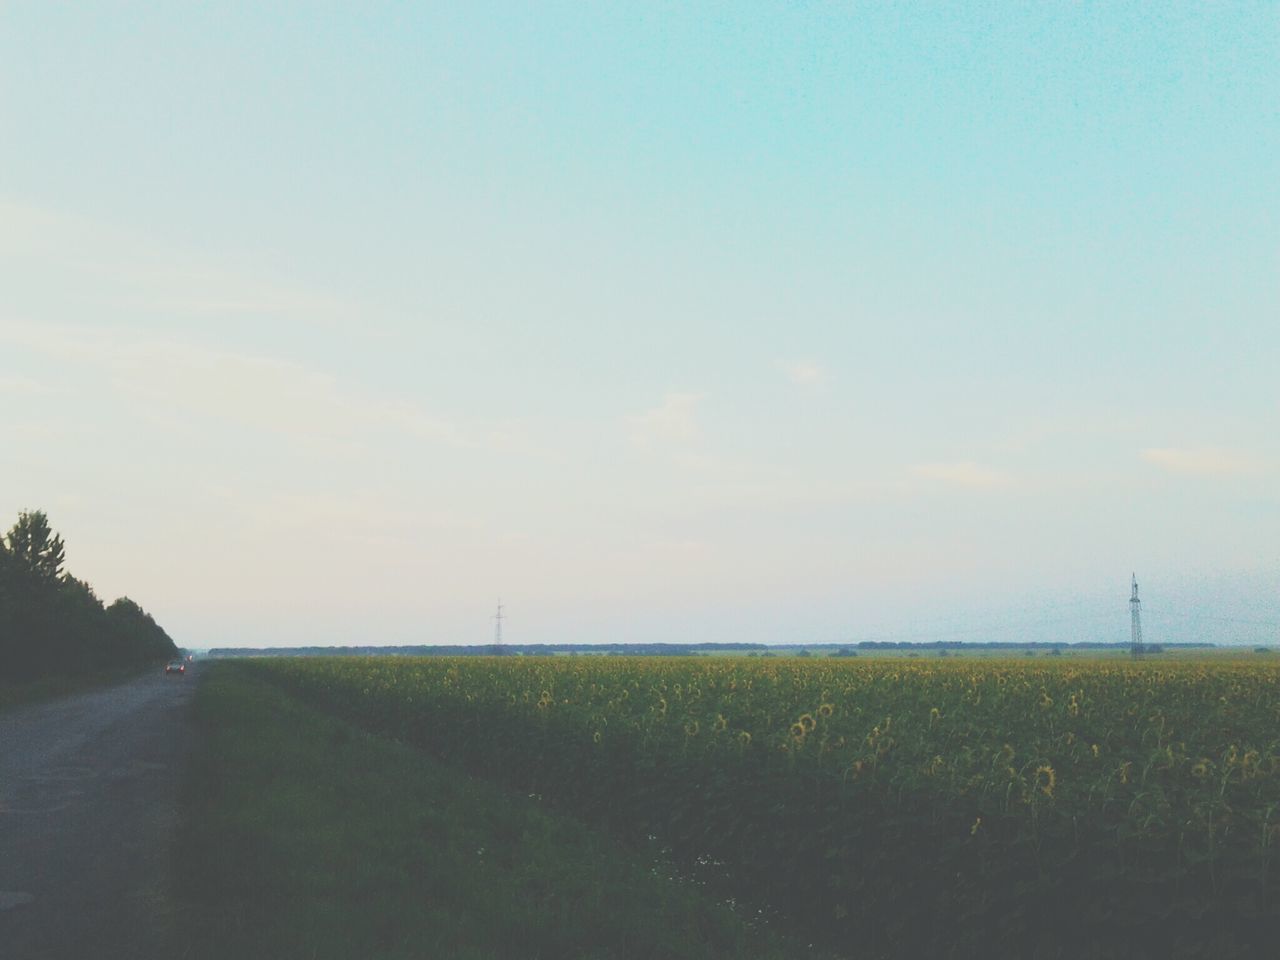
[(35, 547), (52, 622)]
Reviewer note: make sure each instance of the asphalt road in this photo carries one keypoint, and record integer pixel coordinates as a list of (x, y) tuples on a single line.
[(88, 791)]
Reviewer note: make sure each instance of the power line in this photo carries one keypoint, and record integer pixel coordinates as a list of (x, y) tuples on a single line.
[(1135, 621)]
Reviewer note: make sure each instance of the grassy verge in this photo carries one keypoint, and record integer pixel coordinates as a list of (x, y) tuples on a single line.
[(305, 837), (51, 688)]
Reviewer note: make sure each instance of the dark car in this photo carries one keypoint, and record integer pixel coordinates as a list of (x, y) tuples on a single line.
[(175, 666)]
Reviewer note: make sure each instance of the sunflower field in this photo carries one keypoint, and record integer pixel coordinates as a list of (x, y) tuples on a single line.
[(890, 808)]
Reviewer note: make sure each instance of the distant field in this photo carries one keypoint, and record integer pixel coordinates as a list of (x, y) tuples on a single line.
[(990, 653), (914, 651), (949, 807)]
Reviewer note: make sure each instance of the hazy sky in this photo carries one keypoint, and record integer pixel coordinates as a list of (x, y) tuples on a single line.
[(332, 323)]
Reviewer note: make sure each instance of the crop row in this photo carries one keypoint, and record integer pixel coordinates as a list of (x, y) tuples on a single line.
[(903, 807)]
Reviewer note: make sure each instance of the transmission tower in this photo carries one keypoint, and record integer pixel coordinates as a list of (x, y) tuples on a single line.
[(1135, 618), (497, 629)]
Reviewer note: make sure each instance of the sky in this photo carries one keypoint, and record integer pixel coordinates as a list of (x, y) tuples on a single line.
[(328, 323)]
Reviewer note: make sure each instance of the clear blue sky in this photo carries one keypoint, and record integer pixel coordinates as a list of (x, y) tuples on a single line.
[(331, 323)]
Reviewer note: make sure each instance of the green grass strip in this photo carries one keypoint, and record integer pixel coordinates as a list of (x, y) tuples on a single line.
[(304, 837)]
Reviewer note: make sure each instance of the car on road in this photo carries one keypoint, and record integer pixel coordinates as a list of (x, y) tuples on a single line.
[(175, 666)]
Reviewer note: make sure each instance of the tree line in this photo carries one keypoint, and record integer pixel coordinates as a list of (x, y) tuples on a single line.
[(52, 622), (490, 650)]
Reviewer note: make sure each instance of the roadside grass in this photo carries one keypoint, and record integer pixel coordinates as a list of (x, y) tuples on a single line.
[(303, 836), (21, 694)]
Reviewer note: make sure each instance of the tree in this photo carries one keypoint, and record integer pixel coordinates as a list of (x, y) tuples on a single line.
[(136, 634), (52, 622), (34, 547), (8, 595), (7, 570)]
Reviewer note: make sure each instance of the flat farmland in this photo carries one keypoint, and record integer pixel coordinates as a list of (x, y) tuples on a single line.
[(886, 808)]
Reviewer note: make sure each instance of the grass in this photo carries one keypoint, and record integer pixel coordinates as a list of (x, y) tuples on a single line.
[(305, 837)]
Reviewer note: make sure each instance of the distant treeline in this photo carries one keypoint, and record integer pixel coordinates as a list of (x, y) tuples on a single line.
[(51, 622), (1010, 645), (671, 649), (488, 649)]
